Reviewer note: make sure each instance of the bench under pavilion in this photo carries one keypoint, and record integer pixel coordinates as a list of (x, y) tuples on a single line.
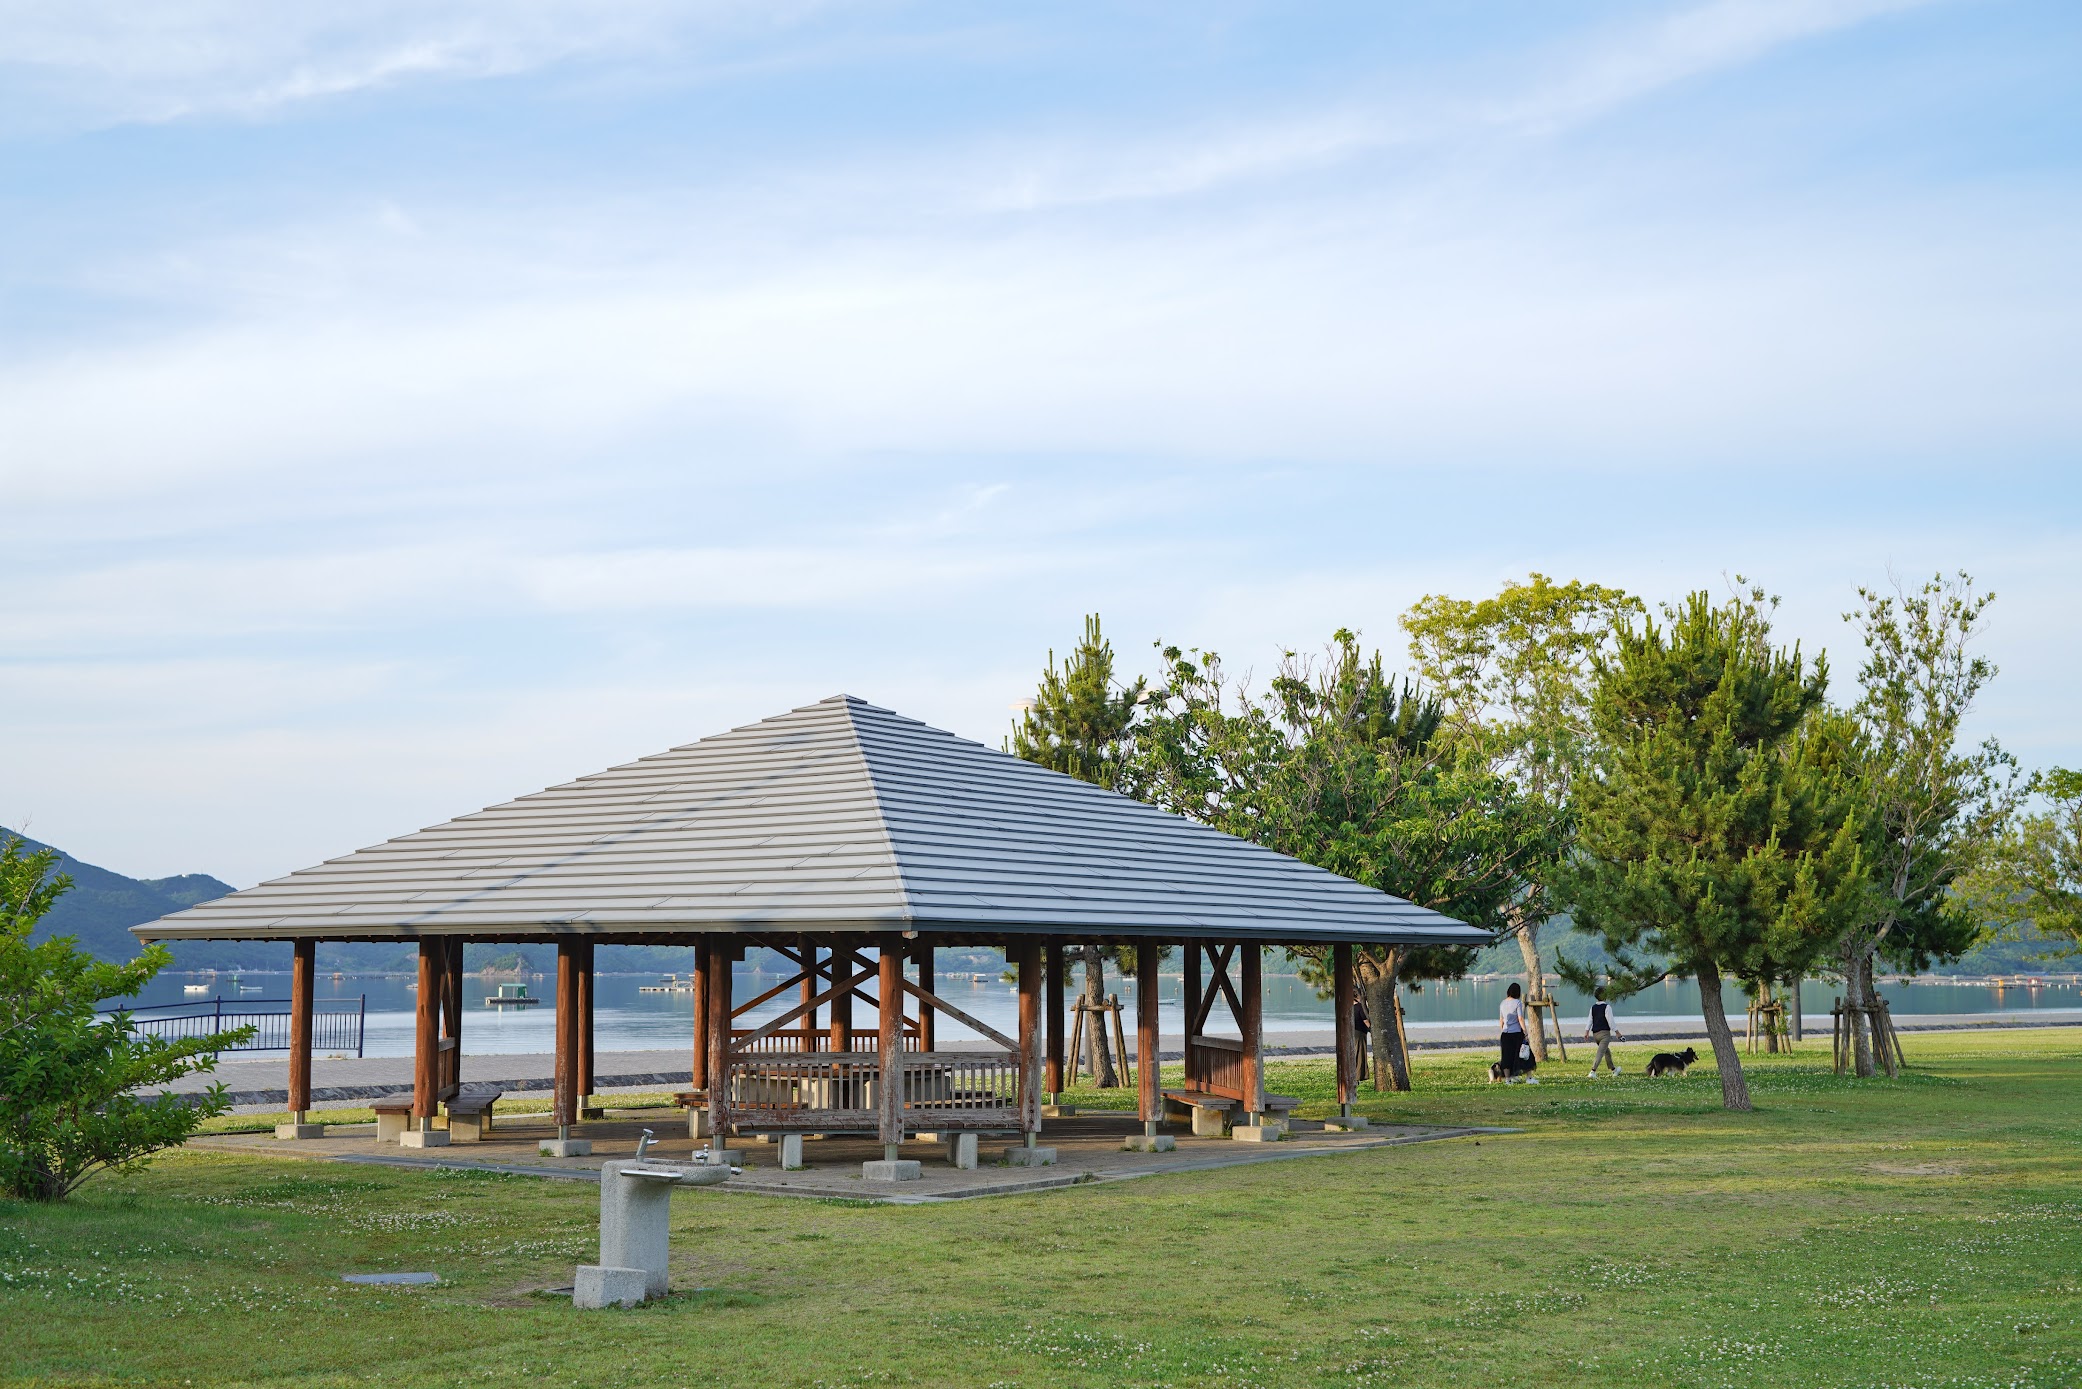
[(851, 842)]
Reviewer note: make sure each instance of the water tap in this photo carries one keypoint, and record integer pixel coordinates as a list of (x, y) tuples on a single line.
[(643, 1144)]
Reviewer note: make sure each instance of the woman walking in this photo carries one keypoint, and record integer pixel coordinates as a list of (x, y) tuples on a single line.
[(1517, 1056)]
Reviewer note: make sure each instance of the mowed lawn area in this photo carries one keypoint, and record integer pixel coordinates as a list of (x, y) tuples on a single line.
[(1920, 1232)]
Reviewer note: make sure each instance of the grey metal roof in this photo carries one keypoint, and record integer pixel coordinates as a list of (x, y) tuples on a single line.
[(838, 816)]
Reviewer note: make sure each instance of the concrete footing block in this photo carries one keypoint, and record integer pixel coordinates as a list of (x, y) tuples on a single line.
[(902, 1170), (1349, 1123), (791, 1153), (389, 1127), (1057, 1111), (1258, 1133), (565, 1147), (597, 1285), (1209, 1122), (1030, 1157), (292, 1131), (961, 1150), (423, 1138), (697, 1124), (1151, 1143)]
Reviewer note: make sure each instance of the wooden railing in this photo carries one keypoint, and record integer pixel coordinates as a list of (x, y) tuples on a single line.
[(794, 1041), (833, 1091), (448, 1068)]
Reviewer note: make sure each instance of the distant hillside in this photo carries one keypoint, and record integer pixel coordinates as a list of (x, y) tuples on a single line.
[(102, 907)]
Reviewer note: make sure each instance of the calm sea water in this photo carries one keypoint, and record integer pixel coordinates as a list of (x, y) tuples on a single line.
[(628, 1020)]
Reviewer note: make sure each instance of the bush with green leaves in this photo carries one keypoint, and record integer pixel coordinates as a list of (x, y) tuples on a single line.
[(72, 1078)]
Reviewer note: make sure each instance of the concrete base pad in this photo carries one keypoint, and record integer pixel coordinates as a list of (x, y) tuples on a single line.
[(1209, 1122), (599, 1286), (697, 1123), (1258, 1133), (1057, 1111), (1350, 1123), (1147, 1143), (1030, 1157), (791, 1152), (299, 1130), (565, 1147), (423, 1138), (902, 1170), (961, 1151)]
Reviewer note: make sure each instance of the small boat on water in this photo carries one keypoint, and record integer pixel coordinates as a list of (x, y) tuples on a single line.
[(511, 996), (195, 988), (670, 984)]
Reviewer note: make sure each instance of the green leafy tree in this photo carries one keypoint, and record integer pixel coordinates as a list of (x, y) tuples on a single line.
[(69, 1076), (1936, 803), (2033, 873), (1721, 833), (1514, 672), (1082, 721), (1342, 766)]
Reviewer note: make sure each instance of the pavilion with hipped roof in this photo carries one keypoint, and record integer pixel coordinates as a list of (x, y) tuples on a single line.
[(851, 841)]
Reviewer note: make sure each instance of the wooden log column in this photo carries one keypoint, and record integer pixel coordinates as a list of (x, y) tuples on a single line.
[(426, 1033), (583, 1087), (564, 1105), (1252, 1025), (1148, 1051), (928, 1031), (1026, 960), (842, 967), (889, 1092), (1192, 991), (302, 979), (719, 1005), (698, 1080), (1342, 999), (1053, 1081), (807, 1041)]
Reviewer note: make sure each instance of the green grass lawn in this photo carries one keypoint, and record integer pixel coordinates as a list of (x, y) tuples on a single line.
[(1920, 1232)]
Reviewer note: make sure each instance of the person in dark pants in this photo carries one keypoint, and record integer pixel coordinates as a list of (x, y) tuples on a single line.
[(1517, 1051), (1601, 1031), (1363, 1031)]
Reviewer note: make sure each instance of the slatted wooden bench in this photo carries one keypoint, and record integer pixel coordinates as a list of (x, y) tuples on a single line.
[(1210, 1112), (393, 1115), (470, 1115)]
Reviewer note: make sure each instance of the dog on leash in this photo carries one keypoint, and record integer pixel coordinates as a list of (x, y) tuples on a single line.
[(1497, 1074), (1672, 1063)]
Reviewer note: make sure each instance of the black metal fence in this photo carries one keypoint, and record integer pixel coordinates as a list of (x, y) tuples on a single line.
[(337, 1024)]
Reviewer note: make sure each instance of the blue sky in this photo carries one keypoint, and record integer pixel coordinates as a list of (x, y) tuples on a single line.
[(403, 407)]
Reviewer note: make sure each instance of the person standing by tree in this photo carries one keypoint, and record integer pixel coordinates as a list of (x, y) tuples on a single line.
[(1082, 722), (1516, 1048), (1600, 1029), (1723, 832)]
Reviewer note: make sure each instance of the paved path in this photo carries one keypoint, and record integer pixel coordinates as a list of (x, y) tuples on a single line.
[(1088, 1149), (261, 1083)]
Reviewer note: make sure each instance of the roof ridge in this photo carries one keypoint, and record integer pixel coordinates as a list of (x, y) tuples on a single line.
[(852, 708)]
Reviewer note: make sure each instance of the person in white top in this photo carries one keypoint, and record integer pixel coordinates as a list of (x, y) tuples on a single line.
[(1517, 1051)]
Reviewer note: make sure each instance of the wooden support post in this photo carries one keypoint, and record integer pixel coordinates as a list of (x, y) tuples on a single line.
[(584, 1085), (843, 966), (302, 977), (564, 1067), (1192, 1006), (928, 1029), (1149, 1067), (426, 1034), (1343, 1000), (1252, 1025), (451, 1072), (1026, 960), (698, 1049), (719, 988), (889, 1093), (808, 1021), (1053, 1081)]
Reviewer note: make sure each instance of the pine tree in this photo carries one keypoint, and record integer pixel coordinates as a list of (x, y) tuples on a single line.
[(1724, 827), (1082, 722)]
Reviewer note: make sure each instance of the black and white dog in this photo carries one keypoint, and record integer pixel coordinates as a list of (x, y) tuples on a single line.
[(1668, 1063)]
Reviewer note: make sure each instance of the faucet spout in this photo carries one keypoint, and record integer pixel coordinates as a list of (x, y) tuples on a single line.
[(643, 1144)]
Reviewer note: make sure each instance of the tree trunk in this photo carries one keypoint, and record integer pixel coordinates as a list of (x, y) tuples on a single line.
[(1535, 983), (1794, 1018), (1098, 1047), (1856, 981), (1391, 1054), (1734, 1089)]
